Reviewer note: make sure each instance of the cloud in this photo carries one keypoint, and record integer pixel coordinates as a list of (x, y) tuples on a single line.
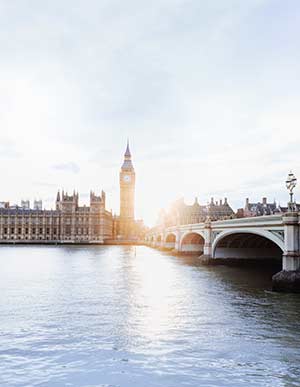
[(208, 93), (8, 149), (67, 167)]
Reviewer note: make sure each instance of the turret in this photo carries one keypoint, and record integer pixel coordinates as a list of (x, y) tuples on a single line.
[(57, 200), (97, 203), (103, 196), (67, 202)]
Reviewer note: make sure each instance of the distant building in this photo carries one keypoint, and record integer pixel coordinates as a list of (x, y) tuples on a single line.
[(4, 204), (181, 213), (220, 210), (262, 208)]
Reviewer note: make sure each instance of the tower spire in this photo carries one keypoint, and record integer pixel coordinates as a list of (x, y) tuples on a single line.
[(127, 164), (127, 153)]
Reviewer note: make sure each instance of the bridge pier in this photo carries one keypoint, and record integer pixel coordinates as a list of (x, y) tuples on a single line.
[(177, 242), (206, 257), (288, 280)]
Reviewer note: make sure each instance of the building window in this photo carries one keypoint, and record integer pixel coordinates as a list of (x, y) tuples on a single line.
[(12, 230), (54, 231), (5, 230), (41, 231), (48, 231), (26, 230), (33, 231)]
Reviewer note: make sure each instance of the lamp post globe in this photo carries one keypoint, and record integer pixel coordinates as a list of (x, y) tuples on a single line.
[(291, 183)]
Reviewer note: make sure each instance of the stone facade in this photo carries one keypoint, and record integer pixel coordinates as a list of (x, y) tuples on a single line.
[(68, 223)]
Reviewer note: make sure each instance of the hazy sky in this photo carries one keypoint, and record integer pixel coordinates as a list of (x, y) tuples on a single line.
[(208, 92)]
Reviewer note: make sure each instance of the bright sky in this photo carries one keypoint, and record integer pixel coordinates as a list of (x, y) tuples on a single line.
[(207, 91)]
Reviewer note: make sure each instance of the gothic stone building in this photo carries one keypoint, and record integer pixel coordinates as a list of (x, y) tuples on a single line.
[(68, 223), (72, 223)]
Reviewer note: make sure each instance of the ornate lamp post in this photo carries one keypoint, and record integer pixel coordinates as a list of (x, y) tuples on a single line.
[(291, 183)]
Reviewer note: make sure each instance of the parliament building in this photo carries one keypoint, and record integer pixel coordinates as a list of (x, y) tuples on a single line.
[(71, 223)]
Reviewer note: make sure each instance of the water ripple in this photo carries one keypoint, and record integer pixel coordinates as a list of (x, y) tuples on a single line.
[(107, 317)]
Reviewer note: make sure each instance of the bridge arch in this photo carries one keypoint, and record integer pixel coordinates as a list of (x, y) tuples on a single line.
[(159, 240), (192, 242), (247, 243), (171, 237), (170, 240)]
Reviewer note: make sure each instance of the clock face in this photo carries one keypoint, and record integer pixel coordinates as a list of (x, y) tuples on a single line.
[(127, 178)]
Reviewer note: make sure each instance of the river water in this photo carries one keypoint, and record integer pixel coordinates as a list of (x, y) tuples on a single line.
[(115, 316)]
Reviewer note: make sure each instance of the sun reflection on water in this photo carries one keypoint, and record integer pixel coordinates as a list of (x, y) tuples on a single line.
[(158, 305)]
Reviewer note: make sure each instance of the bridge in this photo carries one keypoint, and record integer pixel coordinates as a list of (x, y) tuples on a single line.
[(257, 238)]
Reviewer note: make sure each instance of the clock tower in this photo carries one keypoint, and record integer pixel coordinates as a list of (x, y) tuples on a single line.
[(127, 193)]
